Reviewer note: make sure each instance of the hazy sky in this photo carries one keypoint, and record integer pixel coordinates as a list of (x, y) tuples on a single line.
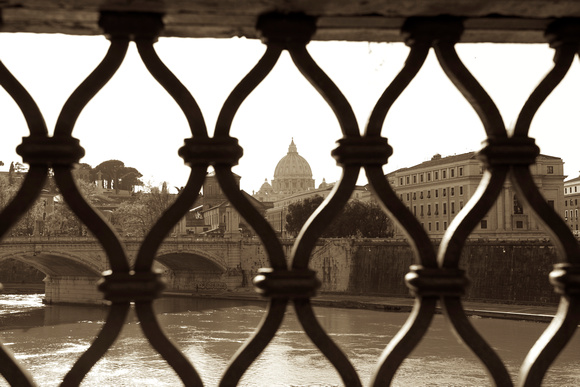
[(134, 120)]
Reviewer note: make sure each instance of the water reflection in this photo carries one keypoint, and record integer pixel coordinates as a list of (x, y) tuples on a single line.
[(49, 339)]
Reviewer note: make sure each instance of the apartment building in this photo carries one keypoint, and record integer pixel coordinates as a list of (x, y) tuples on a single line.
[(436, 190)]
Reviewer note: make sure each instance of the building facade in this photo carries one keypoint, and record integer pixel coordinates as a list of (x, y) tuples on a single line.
[(436, 190), (571, 206)]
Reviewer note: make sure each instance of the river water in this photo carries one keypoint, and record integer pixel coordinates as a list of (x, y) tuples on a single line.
[(48, 339)]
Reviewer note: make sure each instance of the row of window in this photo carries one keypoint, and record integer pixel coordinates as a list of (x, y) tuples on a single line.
[(414, 196), (429, 176), (573, 202), (571, 191), (572, 213), (430, 228), (435, 209)]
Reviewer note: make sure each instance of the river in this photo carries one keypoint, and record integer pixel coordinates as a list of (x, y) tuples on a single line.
[(47, 339)]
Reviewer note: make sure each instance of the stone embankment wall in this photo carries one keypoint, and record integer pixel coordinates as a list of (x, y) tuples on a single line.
[(502, 271)]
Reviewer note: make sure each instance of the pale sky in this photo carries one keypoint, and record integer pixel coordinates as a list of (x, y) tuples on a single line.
[(134, 120)]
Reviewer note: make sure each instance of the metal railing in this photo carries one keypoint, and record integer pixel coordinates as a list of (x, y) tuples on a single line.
[(436, 277)]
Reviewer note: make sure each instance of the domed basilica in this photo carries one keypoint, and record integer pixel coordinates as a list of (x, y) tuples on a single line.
[(291, 176)]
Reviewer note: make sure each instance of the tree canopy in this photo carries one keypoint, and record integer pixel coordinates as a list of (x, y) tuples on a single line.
[(357, 219), (115, 175)]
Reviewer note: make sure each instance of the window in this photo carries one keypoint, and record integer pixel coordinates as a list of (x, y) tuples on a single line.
[(452, 189), (414, 178), (551, 204), (519, 224), (408, 196), (421, 176), (576, 212), (414, 195), (566, 214), (483, 224), (444, 208), (429, 194), (453, 207), (415, 210), (437, 226), (452, 172), (444, 174), (444, 225), (429, 226), (518, 209), (444, 192), (461, 190), (401, 181), (460, 171), (407, 178), (461, 204), (428, 176), (436, 193), (421, 210), (421, 195), (436, 175), (550, 169), (565, 203), (436, 209), (565, 190), (428, 209)]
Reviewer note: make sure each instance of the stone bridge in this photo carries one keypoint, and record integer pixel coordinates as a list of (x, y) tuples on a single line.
[(73, 265), (189, 265)]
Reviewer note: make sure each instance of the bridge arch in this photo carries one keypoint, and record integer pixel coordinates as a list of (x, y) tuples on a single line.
[(55, 264), (191, 261)]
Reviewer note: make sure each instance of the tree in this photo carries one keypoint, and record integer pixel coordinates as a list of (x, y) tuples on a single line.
[(135, 217), (299, 212), (357, 219), (27, 223), (116, 175)]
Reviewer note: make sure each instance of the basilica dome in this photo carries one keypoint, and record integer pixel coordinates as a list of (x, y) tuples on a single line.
[(292, 173)]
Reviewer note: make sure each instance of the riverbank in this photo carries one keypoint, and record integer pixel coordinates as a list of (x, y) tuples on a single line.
[(538, 313)]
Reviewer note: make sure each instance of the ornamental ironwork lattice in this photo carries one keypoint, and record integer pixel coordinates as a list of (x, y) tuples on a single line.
[(436, 276)]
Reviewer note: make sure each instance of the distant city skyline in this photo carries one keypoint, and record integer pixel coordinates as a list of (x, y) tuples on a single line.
[(134, 120)]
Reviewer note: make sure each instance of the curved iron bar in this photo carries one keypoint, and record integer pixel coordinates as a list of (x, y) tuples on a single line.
[(488, 191), (321, 218), (63, 175), (276, 309), (563, 59), (565, 37), (224, 175), (90, 87), (470, 88), (415, 60), (245, 87), (25, 102), (113, 325), (187, 197), (254, 346), (551, 343), (475, 209), (28, 192), (173, 86), (159, 341), (11, 371), (562, 328), (494, 366), (327, 346), (404, 341), (85, 212)]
